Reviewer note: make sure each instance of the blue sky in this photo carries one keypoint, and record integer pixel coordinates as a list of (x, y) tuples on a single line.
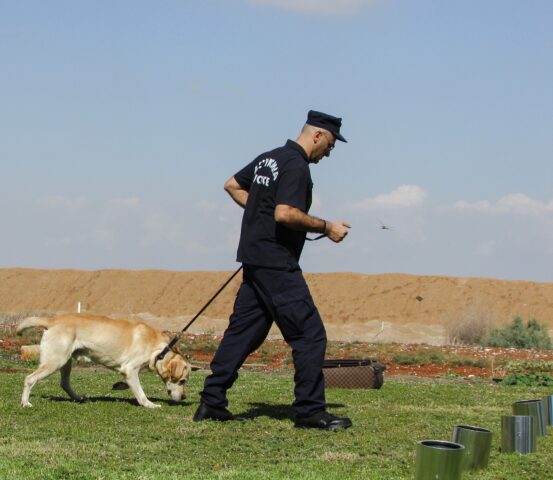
[(122, 120)]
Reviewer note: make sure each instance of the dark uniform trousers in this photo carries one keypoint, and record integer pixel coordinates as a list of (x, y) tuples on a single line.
[(268, 294)]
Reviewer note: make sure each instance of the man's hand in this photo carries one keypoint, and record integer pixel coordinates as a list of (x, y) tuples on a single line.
[(337, 231), (295, 219)]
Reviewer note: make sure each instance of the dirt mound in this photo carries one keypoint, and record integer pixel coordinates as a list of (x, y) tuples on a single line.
[(388, 307)]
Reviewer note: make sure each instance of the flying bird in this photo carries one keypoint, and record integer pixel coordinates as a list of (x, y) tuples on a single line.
[(385, 227)]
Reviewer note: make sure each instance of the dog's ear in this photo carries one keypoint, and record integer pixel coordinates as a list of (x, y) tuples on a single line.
[(176, 369)]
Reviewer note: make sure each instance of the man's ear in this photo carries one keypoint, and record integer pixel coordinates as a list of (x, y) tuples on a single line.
[(317, 136)]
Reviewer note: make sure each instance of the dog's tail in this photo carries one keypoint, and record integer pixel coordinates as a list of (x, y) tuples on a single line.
[(32, 322)]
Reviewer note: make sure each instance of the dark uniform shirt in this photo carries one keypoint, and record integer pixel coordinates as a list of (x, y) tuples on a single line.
[(280, 176)]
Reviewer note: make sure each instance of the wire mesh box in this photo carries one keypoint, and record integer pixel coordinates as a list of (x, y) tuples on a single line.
[(353, 373)]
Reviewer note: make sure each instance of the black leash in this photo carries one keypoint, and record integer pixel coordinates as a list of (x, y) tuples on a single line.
[(316, 238), (175, 339)]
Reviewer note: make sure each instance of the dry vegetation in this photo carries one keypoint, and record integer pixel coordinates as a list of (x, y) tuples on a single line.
[(469, 326)]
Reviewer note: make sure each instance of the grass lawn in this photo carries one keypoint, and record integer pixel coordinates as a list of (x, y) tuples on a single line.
[(109, 437)]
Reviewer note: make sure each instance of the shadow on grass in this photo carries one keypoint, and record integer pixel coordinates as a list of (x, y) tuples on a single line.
[(276, 411), (130, 401)]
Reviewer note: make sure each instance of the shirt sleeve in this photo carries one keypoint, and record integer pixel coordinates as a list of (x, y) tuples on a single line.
[(292, 188), (245, 176)]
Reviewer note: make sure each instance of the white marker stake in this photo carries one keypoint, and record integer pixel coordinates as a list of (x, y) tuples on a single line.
[(79, 307)]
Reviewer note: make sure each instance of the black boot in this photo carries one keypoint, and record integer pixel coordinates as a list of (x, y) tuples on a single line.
[(323, 420), (205, 412)]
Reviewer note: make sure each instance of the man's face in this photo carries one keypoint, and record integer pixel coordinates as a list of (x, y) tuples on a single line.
[(324, 143)]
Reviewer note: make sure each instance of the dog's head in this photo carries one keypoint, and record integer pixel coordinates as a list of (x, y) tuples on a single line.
[(174, 370)]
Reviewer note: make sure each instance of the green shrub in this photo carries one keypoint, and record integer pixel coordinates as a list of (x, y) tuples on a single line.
[(528, 366), (538, 379), (403, 359), (517, 335), (435, 358), (468, 362)]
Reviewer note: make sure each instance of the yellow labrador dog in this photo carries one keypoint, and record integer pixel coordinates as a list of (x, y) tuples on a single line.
[(122, 345)]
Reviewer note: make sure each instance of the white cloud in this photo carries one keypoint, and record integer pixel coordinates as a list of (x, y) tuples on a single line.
[(404, 196), (514, 203), (323, 7), (520, 203)]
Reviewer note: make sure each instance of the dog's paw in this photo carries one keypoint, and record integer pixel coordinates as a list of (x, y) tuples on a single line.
[(151, 405), (26, 404), (79, 398)]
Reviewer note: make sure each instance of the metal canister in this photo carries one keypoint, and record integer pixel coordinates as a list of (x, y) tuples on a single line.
[(439, 460), (548, 409), (477, 442), (535, 409), (518, 434)]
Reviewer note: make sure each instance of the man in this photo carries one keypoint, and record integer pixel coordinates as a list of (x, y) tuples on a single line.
[(275, 192)]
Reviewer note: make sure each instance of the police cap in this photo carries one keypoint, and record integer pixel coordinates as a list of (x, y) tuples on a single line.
[(328, 122)]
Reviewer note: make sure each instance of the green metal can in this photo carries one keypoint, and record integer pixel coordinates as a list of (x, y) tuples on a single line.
[(518, 434), (535, 409), (439, 460), (477, 442), (548, 409)]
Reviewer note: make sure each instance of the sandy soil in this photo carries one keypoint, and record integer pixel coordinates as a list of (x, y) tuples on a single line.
[(388, 307)]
